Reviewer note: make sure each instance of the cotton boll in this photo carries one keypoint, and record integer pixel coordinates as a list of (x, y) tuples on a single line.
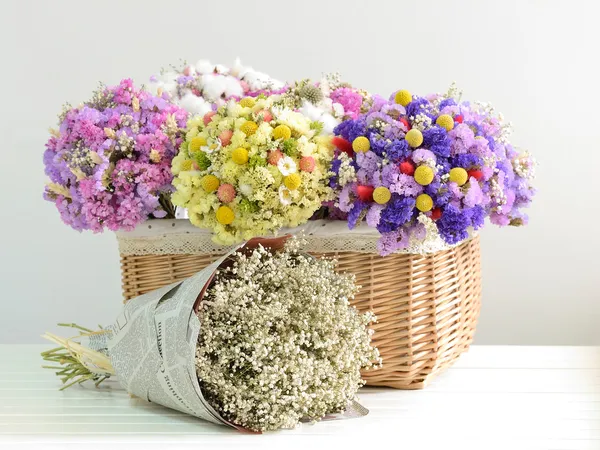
[(219, 68), (194, 104), (311, 111), (338, 110), (170, 88), (233, 87), (257, 80), (213, 86), (237, 70), (203, 66), (329, 123)]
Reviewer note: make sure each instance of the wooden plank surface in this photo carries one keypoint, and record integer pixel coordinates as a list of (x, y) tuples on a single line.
[(494, 397)]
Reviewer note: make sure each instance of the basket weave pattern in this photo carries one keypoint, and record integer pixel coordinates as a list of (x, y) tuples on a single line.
[(427, 306)]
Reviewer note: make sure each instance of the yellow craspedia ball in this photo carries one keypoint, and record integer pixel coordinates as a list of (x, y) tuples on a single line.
[(240, 155), (282, 132), (424, 175), (424, 203), (247, 102), (196, 143), (292, 181), (459, 175), (403, 97), (361, 144), (414, 137), (445, 121), (225, 215), (249, 128), (209, 183), (382, 195), (186, 165)]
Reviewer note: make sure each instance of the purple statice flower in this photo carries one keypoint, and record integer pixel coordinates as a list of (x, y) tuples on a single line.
[(474, 195), (436, 139), (422, 155), (398, 212), (113, 157), (356, 213), (378, 145), (351, 129), (335, 168), (447, 102), (476, 215), (374, 215), (393, 241), (466, 161), (405, 185), (453, 225), (461, 139), (398, 150), (345, 199), (419, 105)]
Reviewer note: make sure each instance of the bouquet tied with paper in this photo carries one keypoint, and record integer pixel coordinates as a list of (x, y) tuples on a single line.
[(260, 340)]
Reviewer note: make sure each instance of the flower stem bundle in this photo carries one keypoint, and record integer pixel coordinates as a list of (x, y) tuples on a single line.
[(274, 341)]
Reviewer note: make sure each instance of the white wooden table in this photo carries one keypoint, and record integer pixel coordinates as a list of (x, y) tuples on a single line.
[(494, 397)]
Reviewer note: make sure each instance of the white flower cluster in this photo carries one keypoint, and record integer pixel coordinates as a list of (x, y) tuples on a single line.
[(279, 340), (346, 172), (211, 84)]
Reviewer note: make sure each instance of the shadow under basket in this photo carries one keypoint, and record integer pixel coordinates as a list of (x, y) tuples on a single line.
[(427, 306)]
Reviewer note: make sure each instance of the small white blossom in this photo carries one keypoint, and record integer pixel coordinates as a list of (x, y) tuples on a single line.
[(286, 166)]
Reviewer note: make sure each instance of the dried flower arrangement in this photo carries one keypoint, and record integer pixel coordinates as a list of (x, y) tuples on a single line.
[(278, 341)]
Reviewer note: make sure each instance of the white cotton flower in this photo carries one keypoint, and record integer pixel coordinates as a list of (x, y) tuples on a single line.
[(194, 104), (220, 68), (311, 111), (286, 166), (213, 86), (329, 123), (237, 70), (285, 195), (338, 109), (203, 66), (233, 87), (259, 80)]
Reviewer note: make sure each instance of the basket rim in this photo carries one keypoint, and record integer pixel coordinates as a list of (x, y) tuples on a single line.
[(179, 236)]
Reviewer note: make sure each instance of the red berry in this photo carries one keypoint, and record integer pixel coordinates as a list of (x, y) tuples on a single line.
[(343, 145), (405, 122), (365, 193), (407, 167), (436, 213), (477, 174), (458, 119)]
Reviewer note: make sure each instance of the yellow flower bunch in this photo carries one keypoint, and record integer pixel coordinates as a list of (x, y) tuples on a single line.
[(251, 168)]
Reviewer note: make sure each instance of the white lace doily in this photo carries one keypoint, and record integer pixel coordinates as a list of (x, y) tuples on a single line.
[(179, 236)]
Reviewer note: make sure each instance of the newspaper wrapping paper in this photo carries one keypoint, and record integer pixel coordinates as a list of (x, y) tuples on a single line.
[(152, 347)]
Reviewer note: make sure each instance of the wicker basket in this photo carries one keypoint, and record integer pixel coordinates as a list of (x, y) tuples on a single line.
[(427, 305)]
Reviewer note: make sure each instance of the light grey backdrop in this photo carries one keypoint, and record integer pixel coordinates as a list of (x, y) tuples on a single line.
[(535, 60)]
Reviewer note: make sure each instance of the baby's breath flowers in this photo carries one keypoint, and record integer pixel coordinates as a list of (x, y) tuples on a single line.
[(279, 340)]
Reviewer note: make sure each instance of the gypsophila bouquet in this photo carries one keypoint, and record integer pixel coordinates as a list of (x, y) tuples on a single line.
[(273, 341), (281, 341), (201, 87), (426, 170), (109, 162), (251, 168)]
